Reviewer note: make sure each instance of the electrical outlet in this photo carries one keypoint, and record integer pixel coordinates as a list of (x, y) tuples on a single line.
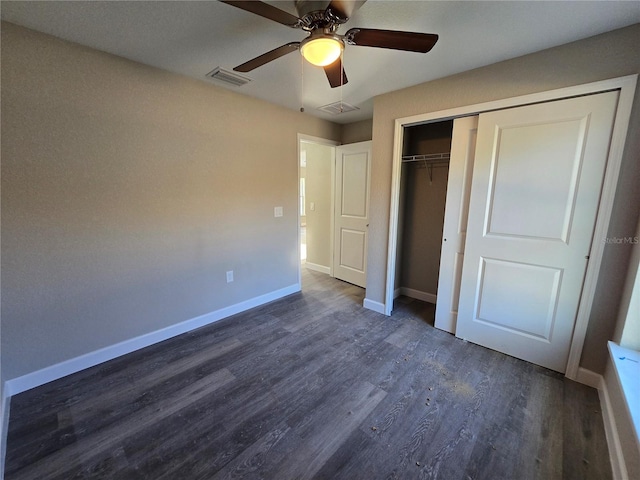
[(277, 211), (230, 276)]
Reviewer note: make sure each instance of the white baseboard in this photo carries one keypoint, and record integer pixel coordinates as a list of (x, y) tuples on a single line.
[(417, 294), (589, 378), (73, 365), (595, 380), (318, 268), (373, 305)]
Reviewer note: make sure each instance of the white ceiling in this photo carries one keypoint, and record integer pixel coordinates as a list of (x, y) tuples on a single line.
[(192, 38)]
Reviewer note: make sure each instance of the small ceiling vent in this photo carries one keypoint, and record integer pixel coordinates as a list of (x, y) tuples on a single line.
[(337, 108), (229, 77)]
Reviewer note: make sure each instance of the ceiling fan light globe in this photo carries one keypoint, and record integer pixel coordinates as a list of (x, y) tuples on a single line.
[(322, 51)]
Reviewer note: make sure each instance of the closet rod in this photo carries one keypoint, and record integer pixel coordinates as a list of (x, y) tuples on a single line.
[(428, 158)]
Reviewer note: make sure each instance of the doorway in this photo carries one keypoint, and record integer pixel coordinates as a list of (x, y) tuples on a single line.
[(315, 207), (424, 174), (334, 190)]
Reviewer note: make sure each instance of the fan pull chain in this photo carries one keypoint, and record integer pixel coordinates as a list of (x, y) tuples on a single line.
[(341, 78), (301, 83)]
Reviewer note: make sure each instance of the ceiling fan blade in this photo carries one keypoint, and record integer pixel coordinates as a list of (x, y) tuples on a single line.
[(396, 40), (268, 57), (335, 74), (345, 8), (267, 11)]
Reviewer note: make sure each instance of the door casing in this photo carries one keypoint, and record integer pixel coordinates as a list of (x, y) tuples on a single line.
[(626, 85)]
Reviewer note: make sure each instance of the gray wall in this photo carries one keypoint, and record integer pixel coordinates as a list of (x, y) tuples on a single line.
[(422, 227), (127, 192), (613, 54)]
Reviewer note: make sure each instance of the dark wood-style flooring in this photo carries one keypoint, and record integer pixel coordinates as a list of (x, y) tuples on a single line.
[(311, 386)]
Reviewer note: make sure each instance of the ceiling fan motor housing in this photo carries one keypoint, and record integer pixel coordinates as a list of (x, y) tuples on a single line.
[(315, 14)]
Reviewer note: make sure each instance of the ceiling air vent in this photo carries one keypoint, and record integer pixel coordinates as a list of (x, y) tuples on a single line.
[(337, 108), (229, 77)]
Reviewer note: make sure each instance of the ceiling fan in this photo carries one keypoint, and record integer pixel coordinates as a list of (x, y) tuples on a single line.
[(324, 46)]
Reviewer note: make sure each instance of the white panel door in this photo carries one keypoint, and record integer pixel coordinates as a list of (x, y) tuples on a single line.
[(536, 185), (454, 233), (353, 175)]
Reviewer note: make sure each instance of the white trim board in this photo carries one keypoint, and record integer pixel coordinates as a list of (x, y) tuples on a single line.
[(318, 268), (418, 295), (616, 457), (627, 86), (373, 305), (590, 379), (91, 359)]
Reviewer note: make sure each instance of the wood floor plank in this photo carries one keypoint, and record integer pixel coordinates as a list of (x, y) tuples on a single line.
[(310, 386), (541, 452), (106, 439), (585, 453), (320, 440)]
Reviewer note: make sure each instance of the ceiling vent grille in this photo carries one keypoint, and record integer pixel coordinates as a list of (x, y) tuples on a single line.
[(337, 108), (229, 77)]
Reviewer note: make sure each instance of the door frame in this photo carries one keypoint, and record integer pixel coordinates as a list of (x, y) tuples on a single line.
[(303, 138), (627, 86)]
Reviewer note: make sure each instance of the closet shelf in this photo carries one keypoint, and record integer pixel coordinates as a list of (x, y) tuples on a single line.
[(430, 158), (430, 161)]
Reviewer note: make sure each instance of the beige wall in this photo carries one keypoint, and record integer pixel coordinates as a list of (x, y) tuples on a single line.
[(357, 132), (318, 188), (613, 54), (127, 192)]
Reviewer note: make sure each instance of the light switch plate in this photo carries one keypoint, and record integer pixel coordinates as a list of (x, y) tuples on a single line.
[(277, 212)]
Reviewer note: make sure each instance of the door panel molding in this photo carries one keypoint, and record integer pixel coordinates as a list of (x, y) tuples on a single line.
[(540, 304)]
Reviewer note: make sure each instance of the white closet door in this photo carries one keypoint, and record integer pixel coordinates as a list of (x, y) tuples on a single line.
[(454, 232), (536, 186), (353, 177)]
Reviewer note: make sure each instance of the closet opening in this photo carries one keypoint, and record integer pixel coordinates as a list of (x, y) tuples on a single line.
[(426, 150)]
